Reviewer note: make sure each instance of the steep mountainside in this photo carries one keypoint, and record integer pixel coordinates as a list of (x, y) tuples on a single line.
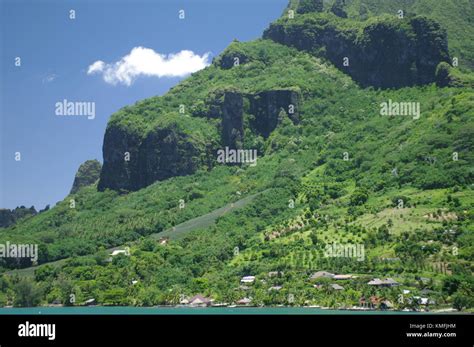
[(9, 217), (87, 174), (383, 52), (456, 16), (374, 155)]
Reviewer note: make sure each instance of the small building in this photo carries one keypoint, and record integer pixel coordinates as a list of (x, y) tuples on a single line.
[(321, 274), (163, 241), (247, 279), (375, 282), (388, 282), (337, 287), (56, 302), (244, 301), (423, 301), (90, 302), (277, 288), (120, 251), (199, 300)]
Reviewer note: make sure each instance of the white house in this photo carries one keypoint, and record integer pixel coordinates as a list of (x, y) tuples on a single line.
[(125, 251), (247, 279), (277, 288)]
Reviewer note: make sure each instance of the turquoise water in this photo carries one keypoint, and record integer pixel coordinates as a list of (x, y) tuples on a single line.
[(191, 310)]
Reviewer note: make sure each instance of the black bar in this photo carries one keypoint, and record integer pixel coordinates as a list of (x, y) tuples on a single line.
[(314, 330)]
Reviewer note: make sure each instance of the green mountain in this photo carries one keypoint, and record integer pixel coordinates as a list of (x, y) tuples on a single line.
[(456, 16), (87, 174), (382, 52), (363, 169), (10, 217)]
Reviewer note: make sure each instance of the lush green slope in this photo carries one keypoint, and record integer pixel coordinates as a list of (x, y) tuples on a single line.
[(87, 174), (108, 219), (342, 171)]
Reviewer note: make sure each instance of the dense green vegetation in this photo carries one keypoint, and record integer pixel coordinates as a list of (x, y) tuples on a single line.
[(87, 174), (9, 217), (398, 186), (456, 16)]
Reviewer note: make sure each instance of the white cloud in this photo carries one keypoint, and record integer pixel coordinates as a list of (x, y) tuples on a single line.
[(143, 61), (98, 66)]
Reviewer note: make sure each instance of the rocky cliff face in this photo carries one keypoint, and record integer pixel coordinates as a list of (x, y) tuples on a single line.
[(87, 174), (387, 53), (133, 161), (168, 152), (121, 152), (230, 60), (306, 6), (232, 120), (266, 107), (232, 56)]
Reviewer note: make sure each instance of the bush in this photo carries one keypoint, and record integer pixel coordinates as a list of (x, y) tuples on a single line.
[(461, 301), (306, 6), (359, 197), (443, 75), (338, 10), (27, 293)]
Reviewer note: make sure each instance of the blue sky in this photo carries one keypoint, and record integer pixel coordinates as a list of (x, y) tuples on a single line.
[(56, 53)]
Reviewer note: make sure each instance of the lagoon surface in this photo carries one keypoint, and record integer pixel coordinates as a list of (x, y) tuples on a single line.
[(127, 310)]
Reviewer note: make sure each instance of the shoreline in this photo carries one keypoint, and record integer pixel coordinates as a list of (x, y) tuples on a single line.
[(185, 309)]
